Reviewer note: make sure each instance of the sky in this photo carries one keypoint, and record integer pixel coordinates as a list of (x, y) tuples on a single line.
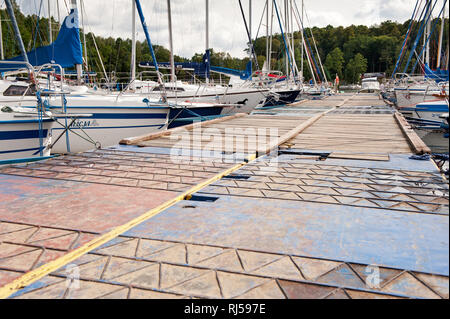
[(226, 30)]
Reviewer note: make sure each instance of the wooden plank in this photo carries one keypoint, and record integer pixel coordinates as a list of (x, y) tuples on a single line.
[(360, 156), (345, 101), (142, 138), (296, 131), (298, 103), (390, 150), (414, 140), (361, 134)]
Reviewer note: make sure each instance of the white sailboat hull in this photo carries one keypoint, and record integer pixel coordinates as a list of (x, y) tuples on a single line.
[(113, 118), (107, 127), (370, 85), (406, 98), (245, 100), (19, 138), (431, 111)]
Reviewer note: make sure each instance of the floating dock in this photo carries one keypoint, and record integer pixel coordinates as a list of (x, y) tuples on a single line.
[(320, 199)]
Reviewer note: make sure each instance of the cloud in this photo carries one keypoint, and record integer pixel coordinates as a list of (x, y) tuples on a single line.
[(227, 32)]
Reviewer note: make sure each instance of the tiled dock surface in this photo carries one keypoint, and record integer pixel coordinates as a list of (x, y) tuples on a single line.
[(287, 226)]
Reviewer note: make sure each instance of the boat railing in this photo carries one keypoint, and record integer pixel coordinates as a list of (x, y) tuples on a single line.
[(162, 91), (173, 80), (140, 76), (27, 67), (43, 68), (405, 78), (264, 80), (34, 73), (39, 107)]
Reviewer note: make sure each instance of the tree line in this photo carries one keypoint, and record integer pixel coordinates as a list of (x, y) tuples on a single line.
[(345, 51), (352, 50)]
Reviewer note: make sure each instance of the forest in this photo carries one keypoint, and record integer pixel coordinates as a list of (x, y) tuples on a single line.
[(345, 51)]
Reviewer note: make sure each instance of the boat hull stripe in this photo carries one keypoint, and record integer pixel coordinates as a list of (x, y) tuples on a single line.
[(21, 135), (107, 127), (126, 116), (21, 150), (25, 121)]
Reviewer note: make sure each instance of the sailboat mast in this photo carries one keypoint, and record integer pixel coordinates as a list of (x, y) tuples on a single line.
[(57, 10), (447, 57), (250, 41), (427, 34), (2, 53), (149, 42), (303, 40), (133, 45), (271, 36), (78, 67), (50, 31), (292, 34), (172, 62), (250, 26), (84, 32), (309, 64), (267, 32), (438, 61), (286, 28), (12, 16), (207, 24), (207, 35)]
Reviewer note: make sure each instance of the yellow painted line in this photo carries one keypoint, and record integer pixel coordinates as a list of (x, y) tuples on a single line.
[(34, 275)]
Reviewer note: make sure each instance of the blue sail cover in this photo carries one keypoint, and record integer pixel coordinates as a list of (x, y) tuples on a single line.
[(65, 51), (438, 75), (203, 69), (242, 74)]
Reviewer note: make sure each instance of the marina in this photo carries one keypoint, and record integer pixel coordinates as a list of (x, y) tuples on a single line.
[(290, 219), (314, 165)]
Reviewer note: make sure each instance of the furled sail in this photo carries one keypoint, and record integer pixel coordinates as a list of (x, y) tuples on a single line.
[(65, 51)]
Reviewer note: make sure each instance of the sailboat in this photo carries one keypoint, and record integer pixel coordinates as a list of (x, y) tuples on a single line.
[(228, 100), (287, 88), (284, 88), (423, 98), (24, 134), (112, 116), (431, 86)]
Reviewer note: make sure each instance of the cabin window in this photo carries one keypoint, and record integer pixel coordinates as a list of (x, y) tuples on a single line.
[(169, 89), (19, 90)]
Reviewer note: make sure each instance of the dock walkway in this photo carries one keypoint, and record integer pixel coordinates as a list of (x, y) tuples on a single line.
[(315, 200)]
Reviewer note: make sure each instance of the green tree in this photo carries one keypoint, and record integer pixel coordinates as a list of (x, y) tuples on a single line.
[(377, 45), (335, 62), (355, 68)]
